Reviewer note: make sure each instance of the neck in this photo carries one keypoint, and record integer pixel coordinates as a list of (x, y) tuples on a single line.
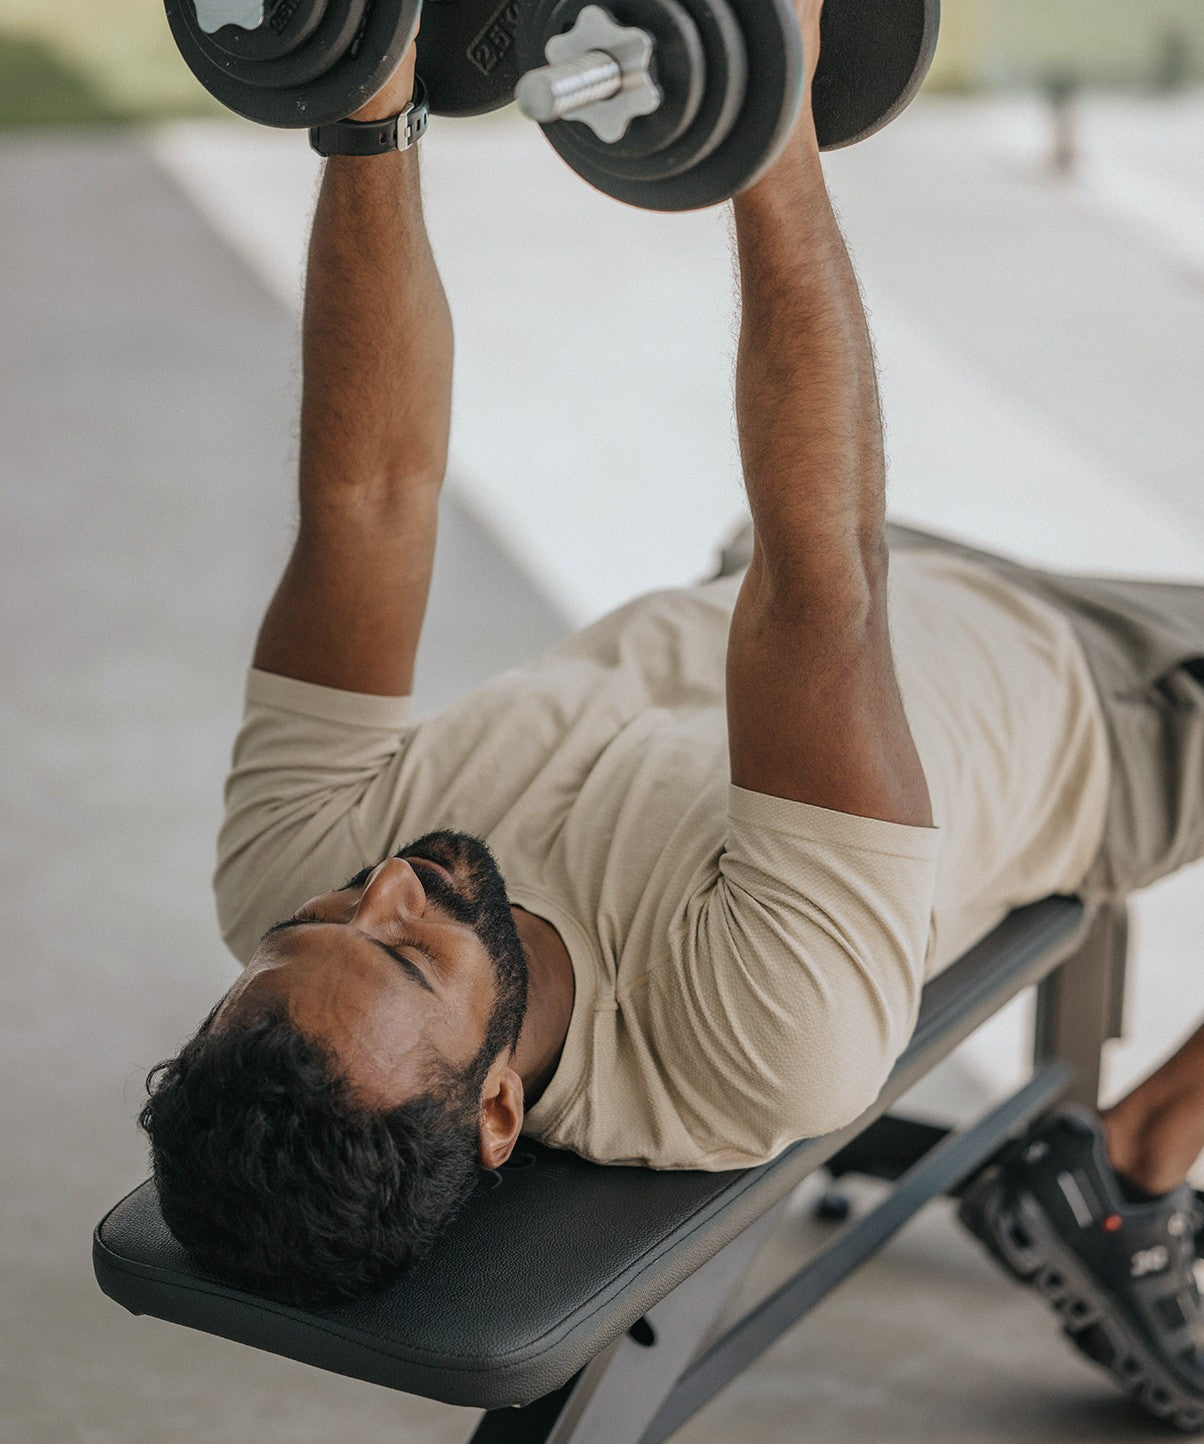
[(550, 988)]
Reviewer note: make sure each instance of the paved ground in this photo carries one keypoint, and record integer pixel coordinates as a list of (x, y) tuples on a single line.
[(147, 390), (146, 385)]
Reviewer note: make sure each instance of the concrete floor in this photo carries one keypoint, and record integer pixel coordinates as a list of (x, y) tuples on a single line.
[(146, 386), (147, 396)]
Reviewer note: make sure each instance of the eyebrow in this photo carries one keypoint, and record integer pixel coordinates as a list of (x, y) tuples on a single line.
[(407, 965)]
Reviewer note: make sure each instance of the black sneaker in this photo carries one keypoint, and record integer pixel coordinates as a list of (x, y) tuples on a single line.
[(1120, 1275)]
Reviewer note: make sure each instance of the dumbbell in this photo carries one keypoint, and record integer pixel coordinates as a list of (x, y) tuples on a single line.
[(665, 104), (677, 104), (293, 62), (310, 62)]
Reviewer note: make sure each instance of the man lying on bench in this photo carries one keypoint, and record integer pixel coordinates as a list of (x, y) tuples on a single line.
[(681, 880)]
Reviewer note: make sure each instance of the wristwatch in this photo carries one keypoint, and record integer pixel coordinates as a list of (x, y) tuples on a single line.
[(375, 137)]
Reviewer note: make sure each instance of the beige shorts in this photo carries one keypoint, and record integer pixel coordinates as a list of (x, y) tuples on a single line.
[(1144, 644)]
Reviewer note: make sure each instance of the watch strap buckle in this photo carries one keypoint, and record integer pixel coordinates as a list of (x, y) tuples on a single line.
[(375, 137)]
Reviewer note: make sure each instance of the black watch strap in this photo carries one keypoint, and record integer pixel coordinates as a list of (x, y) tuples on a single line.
[(375, 137)]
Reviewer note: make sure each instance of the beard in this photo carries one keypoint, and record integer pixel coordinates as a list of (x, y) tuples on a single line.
[(476, 897)]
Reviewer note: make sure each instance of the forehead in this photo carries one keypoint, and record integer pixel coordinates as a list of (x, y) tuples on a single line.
[(340, 992), (385, 1028), (346, 937), (337, 969)]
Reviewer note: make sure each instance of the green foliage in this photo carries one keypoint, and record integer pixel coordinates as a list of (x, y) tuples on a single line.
[(38, 88), (91, 62)]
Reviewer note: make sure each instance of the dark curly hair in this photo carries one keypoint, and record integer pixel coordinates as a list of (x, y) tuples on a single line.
[(275, 1180)]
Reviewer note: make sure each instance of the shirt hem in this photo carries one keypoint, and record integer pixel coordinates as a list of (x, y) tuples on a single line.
[(806, 822), (328, 704)]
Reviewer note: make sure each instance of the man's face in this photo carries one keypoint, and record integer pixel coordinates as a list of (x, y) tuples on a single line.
[(414, 962)]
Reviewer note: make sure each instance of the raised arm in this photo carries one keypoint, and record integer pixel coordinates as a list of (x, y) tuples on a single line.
[(814, 710), (375, 413)]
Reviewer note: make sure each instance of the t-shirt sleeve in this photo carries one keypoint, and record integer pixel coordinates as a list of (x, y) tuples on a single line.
[(796, 977), (304, 760)]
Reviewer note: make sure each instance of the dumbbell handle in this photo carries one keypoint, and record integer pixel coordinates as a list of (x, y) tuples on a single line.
[(554, 91)]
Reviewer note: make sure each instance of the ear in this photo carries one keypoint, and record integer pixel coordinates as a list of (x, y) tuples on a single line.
[(501, 1114)]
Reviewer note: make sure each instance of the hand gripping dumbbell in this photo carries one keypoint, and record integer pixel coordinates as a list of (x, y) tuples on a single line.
[(665, 104)]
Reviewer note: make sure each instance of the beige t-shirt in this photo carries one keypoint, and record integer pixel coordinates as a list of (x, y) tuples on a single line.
[(747, 968)]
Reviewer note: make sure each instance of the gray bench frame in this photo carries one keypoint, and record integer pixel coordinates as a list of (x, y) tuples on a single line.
[(599, 1324)]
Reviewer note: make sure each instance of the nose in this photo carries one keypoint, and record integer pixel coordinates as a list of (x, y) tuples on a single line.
[(393, 889)]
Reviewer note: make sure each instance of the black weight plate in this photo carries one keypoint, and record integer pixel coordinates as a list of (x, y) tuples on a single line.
[(631, 161), (873, 57), (679, 67), (341, 76), (332, 39), (624, 172), (287, 24), (774, 91), (467, 56)]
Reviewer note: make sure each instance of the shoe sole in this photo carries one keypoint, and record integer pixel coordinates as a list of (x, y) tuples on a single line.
[(1021, 1238)]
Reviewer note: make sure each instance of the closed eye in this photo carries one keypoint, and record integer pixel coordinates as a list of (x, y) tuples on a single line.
[(407, 965), (295, 921)]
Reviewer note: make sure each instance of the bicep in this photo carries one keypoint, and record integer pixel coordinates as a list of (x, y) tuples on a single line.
[(349, 608), (814, 709)]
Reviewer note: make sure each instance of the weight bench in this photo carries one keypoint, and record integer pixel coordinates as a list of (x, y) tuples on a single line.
[(587, 1296)]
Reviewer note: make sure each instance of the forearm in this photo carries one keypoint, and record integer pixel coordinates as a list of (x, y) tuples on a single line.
[(814, 709), (377, 337), (807, 405), (377, 355)]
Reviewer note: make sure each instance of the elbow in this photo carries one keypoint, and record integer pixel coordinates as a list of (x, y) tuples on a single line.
[(839, 580), (795, 596), (399, 483)]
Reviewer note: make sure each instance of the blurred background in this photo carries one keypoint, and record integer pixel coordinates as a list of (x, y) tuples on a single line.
[(114, 61), (1030, 237)]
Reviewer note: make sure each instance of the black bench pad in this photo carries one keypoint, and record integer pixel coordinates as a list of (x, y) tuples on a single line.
[(553, 1257)]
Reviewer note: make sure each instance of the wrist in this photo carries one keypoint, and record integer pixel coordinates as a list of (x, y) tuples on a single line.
[(396, 95), (353, 137), (381, 107), (791, 181)]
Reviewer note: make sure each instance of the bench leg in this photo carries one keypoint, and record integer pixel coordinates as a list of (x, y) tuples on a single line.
[(954, 1159), (615, 1397), (1081, 1005)]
